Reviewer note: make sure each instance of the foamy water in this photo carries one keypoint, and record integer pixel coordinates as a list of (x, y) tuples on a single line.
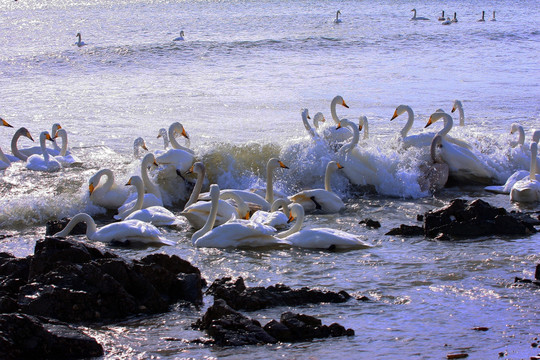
[(237, 83)]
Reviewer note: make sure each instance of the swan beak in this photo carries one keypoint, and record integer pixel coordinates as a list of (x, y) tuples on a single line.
[(360, 127), (190, 171), (344, 104), (144, 146), (91, 188), (48, 137), (339, 166), (184, 133), (283, 165), (159, 135), (308, 117), (453, 109), (27, 134), (428, 123), (247, 216), (395, 115), (338, 126), (291, 219), (5, 123), (128, 183)]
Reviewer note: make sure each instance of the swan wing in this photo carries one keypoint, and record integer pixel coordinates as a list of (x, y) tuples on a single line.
[(197, 213), (526, 190), (240, 233), (156, 215), (318, 200), (38, 163), (181, 159), (130, 230), (275, 219), (324, 238)]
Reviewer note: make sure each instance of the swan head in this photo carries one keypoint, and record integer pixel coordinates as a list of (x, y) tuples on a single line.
[(319, 117), (178, 128), (197, 168), (457, 105), (24, 132), (149, 160), (305, 114), (139, 142), (78, 35), (274, 163), (339, 100), (344, 122), (45, 136), (162, 133), (136, 181), (5, 123), (60, 133), (296, 211), (536, 136), (436, 116), (515, 127), (334, 165), (399, 110)]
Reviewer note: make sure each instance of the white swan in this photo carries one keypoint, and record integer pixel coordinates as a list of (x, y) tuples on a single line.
[(153, 194), (337, 20), (56, 149), (312, 132), (455, 20), (417, 17), (463, 163), (180, 157), (37, 149), (323, 200), (482, 18), (515, 127), (43, 162), (459, 107), (4, 161), (435, 175), (108, 194), (156, 215), (448, 21), (274, 218), (528, 189), (138, 144), (319, 238), (363, 124), (359, 167), (331, 134), (18, 156), (418, 140), (79, 42), (493, 19), (65, 158), (236, 233), (181, 37), (442, 18), (122, 232), (269, 192), (162, 133)]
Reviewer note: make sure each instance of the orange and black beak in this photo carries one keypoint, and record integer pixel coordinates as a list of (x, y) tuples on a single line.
[(91, 188), (5, 123), (343, 103), (283, 165), (339, 166)]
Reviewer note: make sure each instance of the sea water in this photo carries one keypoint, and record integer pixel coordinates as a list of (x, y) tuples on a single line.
[(237, 83)]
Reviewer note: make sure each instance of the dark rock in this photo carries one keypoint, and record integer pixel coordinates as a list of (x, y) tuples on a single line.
[(420, 217), (371, 223), (476, 219), (407, 230), (235, 293), (28, 337), (279, 331), (54, 226), (537, 272)]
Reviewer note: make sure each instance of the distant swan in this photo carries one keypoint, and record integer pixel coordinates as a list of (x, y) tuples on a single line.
[(156, 215), (442, 18), (319, 238), (493, 19), (236, 233), (337, 20), (482, 18), (417, 17), (181, 37), (79, 42), (123, 231), (43, 162), (448, 21), (455, 20), (515, 127), (528, 189), (108, 194), (323, 200)]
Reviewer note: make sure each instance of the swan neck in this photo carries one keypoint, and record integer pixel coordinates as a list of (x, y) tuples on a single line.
[(521, 137), (333, 111), (210, 221), (109, 179), (63, 136), (448, 123), (148, 184), (280, 203), (140, 195), (461, 116), (534, 154), (3, 157), (297, 225), (197, 188), (43, 146), (269, 185), (410, 120), (241, 207), (14, 149), (174, 143), (307, 125), (327, 176), (82, 217)]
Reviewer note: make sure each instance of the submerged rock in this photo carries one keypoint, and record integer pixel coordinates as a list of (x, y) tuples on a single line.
[(239, 297), (374, 224), (407, 230), (72, 281), (29, 337), (228, 327)]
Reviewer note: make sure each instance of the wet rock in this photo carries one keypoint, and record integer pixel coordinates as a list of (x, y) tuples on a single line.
[(478, 218), (371, 223), (71, 281), (535, 281), (239, 297), (229, 327), (54, 226), (407, 230), (28, 337)]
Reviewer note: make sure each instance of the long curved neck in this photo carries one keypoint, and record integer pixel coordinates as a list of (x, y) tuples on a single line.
[(414, 13), (333, 110), (3, 157), (534, 154), (148, 184), (307, 125), (280, 203), (82, 217), (410, 121), (347, 148), (14, 149), (297, 225), (365, 126), (210, 221), (79, 36), (42, 139), (448, 123), (109, 179), (327, 176), (521, 135), (137, 182), (197, 188), (433, 149), (269, 184), (63, 135), (461, 115), (241, 207), (175, 144)]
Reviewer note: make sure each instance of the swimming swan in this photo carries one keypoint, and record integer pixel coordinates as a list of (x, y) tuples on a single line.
[(331, 134), (123, 231), (417, 17), (269, 193), (277, 219), (65, 158), (179, 156), (107, 194), (493, 19), (337, 20), (448, 21), (482, 18), (181, 37), (319, 238), (156, 215), (43, 162), (528, 188), (442, 18), (462, 162), (236, 233), (434, 176), (323, 200), (79, 42), (459, 107), (455, 20), (418, 140), (138, 144)]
